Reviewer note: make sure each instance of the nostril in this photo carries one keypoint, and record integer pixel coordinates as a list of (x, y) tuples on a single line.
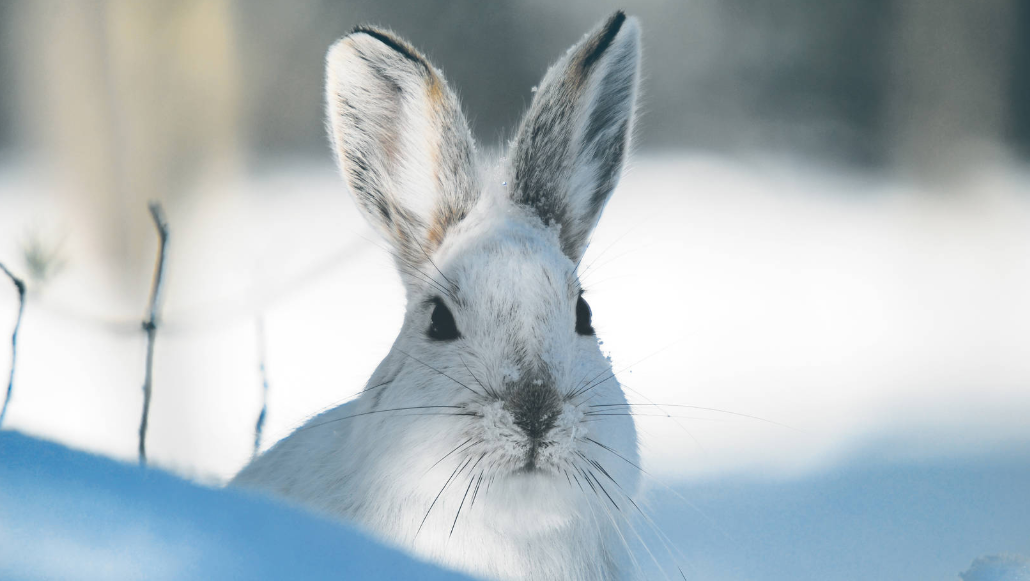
[(534, 408)]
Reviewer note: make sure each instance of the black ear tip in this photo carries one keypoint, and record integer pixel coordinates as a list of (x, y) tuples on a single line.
[(614, 24), (365, 29), (604, 39), (392, 41)]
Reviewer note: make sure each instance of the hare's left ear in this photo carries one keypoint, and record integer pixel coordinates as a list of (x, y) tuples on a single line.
[(401, 142), (569, 150)]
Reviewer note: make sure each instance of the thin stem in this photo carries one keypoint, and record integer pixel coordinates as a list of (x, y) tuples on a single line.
[(151, 322), (20, 285), (260, 425)]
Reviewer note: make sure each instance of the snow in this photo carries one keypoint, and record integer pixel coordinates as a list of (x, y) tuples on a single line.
[(71, 515), (77, 517), (998, 568)]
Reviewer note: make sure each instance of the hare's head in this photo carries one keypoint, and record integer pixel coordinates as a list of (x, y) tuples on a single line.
[(497, 340)]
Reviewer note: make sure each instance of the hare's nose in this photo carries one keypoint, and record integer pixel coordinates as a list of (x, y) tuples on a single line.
[(534, 406)]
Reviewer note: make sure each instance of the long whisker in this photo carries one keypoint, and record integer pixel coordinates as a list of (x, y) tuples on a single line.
[(476, 491), (467, 488), (615, 525), (486, 389), (649, 400), (629, 522), (661, 535), (612, 450), (701, 408), (447, 454), (628, 367), (656, 415), (418, 407), (692, 506), (432, 504), (438, 371), (463, 497)]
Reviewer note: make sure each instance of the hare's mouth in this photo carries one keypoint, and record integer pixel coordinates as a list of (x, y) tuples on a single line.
[(523, 451), (532, 464)]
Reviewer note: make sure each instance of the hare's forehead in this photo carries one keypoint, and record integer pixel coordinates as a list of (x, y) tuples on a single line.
[(507, 270)]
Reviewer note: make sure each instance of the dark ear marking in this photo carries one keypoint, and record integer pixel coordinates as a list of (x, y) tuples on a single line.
[(611, 28), (393, 42)]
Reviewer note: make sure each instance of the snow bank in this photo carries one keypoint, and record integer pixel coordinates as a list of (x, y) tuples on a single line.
[(74, 516), (998, 568)]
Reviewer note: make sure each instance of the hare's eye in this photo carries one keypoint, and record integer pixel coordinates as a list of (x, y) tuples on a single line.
[(441, 323), (583, 325)]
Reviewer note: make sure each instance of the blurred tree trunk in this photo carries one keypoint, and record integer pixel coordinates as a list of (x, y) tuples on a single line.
[(136, 101), (951, 69)]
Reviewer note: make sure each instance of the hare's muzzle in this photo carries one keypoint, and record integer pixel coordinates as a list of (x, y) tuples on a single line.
[(534, 405)]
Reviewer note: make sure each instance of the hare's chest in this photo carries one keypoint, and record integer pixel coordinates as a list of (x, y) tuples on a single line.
[(470, 537)]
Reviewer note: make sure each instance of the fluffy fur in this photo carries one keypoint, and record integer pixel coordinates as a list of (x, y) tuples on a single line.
[(487, 452)]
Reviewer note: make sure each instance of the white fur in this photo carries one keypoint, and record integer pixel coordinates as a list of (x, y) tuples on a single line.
[(513, 293)]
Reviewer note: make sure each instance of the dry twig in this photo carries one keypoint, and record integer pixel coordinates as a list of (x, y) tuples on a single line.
[(260, 425), (150, 324), (20, 285)]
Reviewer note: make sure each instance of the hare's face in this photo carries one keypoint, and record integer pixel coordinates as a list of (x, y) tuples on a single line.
[(504, 334)]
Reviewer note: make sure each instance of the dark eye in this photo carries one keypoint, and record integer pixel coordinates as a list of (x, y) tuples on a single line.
[(583, 325), (441, 323)]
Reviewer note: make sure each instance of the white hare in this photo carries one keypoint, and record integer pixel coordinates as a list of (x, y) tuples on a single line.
[(486, 440)]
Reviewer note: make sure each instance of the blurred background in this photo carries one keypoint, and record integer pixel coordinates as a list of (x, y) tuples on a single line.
[(822, 243), (826, 223)]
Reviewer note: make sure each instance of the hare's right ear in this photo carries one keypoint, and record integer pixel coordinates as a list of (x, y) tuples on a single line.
[(569, 150), (401, 142)]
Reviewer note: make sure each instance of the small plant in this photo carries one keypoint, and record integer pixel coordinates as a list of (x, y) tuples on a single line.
[(20, 285)]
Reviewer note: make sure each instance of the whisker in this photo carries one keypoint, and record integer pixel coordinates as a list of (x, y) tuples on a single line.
[(661, 535), (368, 413), (615, 525), (578, 483), (701, 408), (457, 514), (476, 491), (432, 504), (604, 490), (657, 415), (628, 367), (682, 427), (447, 454), (438, 371), (488, 391), (605, 472), (612, 450)]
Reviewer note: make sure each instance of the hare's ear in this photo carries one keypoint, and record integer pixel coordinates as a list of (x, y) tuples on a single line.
[(569, 150), (401, 141)]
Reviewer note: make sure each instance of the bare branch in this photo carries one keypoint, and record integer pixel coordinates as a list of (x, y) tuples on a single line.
[(151, 322), (20, 285), (260, 426)]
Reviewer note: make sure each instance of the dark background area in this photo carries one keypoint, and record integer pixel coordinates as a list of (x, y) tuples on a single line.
[(870, 83)]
